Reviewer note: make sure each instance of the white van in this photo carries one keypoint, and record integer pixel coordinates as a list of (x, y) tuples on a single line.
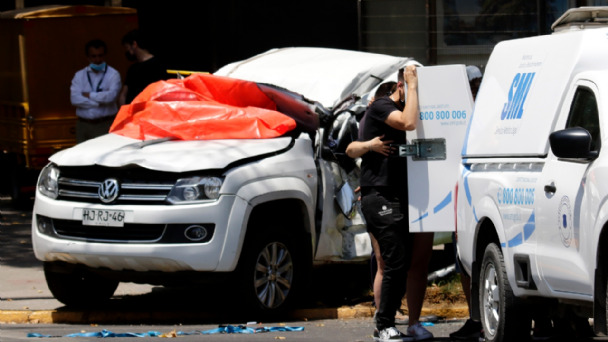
[(532, 203)]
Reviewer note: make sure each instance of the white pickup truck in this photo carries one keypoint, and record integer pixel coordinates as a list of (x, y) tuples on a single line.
[(532, 206), (256, 213)]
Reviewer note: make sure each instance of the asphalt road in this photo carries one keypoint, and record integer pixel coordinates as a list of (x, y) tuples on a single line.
[(337, 307), (333, 330)]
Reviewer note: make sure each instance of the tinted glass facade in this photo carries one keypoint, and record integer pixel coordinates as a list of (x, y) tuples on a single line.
[(455, 31)]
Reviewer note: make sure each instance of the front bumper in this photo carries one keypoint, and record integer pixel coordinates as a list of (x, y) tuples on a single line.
[(220, 253)]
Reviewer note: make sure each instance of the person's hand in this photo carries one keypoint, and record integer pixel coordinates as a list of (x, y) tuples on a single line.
[(411, 76), (357, 190), (85, 94), (382, 147)]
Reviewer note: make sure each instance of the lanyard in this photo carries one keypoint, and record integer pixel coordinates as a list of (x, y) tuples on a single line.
[(98, 88)]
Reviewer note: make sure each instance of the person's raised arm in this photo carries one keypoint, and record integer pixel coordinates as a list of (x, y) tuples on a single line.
[(407, 119)]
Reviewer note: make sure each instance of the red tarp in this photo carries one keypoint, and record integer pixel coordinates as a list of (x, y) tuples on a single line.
[(201, 107)]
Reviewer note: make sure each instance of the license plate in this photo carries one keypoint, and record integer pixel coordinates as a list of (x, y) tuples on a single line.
[(102, 217)]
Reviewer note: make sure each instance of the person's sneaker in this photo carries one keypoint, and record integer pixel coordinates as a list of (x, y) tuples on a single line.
[(391, 335), (469, 331), (418, 332)]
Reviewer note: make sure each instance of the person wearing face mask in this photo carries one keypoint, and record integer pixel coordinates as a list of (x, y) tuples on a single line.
[(94, 92), (147, 69)]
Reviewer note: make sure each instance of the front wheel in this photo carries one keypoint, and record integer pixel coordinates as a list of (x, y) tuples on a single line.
[(270, 272), (502, 315), (77, 288)]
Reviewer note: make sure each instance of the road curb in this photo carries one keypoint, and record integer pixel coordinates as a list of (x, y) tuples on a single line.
[(105, 317)]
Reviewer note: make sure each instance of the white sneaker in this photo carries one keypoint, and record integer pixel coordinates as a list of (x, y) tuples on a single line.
[(418, 332), (391, 335)]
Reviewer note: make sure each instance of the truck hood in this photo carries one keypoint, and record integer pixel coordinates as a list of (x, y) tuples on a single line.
[(113, 150)]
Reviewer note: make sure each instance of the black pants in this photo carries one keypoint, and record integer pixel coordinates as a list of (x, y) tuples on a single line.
[(386, 218)]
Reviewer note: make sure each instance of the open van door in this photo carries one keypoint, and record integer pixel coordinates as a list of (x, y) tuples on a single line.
[(434, 148)]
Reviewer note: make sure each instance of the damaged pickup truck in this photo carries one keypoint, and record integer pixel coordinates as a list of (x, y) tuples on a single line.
[(239, 176)]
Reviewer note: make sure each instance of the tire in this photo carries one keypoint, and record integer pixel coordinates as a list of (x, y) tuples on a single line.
[(502, 315), (77, 288), (270, 273)]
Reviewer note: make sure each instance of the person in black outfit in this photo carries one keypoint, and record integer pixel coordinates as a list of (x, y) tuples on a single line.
[(147, 69), (384, 192)]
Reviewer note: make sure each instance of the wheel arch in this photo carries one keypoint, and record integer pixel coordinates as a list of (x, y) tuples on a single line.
[(282, 210), (275, 197), (292, 211), (285, 192), (600, 279), (485, 234)]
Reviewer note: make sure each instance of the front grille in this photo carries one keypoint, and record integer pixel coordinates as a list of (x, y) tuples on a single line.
[(88, 191), (136, 185)]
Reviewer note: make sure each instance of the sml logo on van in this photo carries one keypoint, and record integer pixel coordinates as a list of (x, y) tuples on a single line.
[(517, 96)]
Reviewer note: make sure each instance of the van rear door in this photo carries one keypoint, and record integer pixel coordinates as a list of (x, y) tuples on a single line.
[(446, 105)]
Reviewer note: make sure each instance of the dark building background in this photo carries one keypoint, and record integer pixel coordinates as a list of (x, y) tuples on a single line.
[(455, 31), (205, 35)]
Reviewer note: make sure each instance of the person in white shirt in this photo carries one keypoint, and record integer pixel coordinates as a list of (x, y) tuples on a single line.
[(94, 93)]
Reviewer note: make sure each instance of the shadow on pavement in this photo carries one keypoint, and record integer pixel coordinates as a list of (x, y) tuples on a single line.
[(332, 287)]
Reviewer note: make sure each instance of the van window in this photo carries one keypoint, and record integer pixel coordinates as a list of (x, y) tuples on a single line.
[(584, 113)]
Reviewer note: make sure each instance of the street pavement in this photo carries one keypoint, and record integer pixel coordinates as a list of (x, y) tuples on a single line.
[(25, 297), (337, 309)]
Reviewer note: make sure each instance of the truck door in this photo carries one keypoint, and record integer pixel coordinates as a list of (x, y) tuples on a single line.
[(562, 201)]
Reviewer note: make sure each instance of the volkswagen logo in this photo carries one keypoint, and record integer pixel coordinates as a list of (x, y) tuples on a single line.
[(108, 190)]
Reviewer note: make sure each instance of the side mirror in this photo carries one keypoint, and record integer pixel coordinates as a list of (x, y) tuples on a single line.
[(572, 143)]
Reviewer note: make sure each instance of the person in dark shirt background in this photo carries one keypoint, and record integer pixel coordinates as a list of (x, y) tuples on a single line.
[(147, 69)]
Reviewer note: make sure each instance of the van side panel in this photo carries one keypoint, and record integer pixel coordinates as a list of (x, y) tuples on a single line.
[(522, 91), (504, 194)]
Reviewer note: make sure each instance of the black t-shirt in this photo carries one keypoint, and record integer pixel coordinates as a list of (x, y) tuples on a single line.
[(140, 75), (378, 170)]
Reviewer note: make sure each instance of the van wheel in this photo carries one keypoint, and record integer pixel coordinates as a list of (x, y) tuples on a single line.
[(76, 288), (269, 273), (502, 316)]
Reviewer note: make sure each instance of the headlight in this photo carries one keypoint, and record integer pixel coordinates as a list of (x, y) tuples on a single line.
[(195, 189), (48, 181)]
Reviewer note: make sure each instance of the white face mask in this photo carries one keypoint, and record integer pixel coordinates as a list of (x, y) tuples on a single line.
[(98, 67)]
